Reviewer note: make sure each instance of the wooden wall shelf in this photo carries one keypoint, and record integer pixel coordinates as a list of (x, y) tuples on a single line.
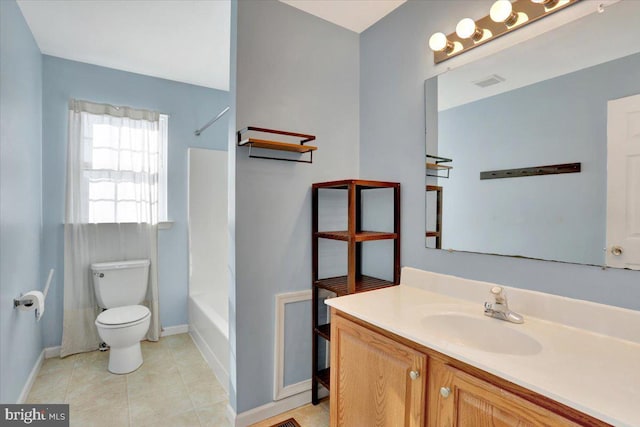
[(436, 166), (297, 147), (354, 281), (275, 145)]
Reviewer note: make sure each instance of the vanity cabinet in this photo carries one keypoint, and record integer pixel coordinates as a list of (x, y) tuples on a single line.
[(375, 380), (383, 380), (457, 398)]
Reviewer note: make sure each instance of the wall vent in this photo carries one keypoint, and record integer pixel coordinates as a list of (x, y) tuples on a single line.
[(493, 79)]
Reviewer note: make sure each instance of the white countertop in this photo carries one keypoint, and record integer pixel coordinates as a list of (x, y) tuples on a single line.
[(592, 372)]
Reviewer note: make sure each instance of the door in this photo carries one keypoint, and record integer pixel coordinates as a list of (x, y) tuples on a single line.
[(623, 183), (457, 399), (375, 382)]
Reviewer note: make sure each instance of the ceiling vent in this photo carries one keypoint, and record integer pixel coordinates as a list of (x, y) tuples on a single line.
[(493, 79)]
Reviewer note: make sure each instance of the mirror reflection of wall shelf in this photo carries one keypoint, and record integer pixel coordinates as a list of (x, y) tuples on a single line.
[(539, 115), (503, 18), (437, 233), (435, 167), (297, 147), (532, 171)]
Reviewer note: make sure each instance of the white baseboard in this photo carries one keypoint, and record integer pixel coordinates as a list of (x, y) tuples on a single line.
[(50, 352), (271, 409), (31, 379), (218, 370), (174, 330)]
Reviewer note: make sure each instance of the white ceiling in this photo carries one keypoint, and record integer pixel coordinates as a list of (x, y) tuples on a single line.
[(354, 15), (181, 40)]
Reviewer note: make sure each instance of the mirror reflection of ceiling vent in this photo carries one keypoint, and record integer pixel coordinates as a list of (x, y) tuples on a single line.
[(493, 79)]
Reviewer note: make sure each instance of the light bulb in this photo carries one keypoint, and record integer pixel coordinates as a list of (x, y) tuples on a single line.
[(502, 11), (466, 28), (547, 3), (438, 42)]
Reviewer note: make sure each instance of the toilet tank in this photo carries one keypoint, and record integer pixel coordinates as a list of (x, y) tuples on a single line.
[(120, 283)]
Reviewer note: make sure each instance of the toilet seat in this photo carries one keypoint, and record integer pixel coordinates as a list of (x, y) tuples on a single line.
[(123, 317)]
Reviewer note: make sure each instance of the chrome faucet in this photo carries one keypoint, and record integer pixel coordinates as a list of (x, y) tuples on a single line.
[(500, 309)]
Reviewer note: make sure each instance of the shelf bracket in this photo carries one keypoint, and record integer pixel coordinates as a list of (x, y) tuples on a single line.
[(254, 156)]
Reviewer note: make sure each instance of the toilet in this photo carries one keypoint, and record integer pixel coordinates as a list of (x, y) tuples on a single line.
[(120, 287)]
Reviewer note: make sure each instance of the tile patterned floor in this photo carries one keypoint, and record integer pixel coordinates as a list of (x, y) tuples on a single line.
[(174, 387)]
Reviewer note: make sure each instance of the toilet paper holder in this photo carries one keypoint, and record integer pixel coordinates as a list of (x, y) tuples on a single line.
[(27, 302)]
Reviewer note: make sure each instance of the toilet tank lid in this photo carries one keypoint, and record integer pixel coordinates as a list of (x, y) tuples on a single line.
[(99, 266)]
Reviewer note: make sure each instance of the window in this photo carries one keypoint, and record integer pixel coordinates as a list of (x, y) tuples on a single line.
[(124, 169)]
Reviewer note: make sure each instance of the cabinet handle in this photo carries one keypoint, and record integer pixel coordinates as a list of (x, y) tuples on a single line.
[(414, 375), (445, 392)]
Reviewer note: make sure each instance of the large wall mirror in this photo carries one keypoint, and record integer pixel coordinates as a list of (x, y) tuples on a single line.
[(502, 125)]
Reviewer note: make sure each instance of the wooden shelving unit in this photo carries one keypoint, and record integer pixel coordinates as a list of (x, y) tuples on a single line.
[(354, 281), (297, 147), (322, 377)]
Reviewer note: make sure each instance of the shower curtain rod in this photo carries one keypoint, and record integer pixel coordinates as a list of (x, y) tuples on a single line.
[(212, 121)]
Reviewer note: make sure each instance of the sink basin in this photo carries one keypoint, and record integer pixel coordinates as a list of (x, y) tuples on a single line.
[(481, 333)]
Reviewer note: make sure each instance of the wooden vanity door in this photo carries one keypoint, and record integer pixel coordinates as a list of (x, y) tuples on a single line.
[(371, 379), (457, 399)]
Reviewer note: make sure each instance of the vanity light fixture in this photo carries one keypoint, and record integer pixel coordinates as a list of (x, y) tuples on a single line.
[(505, 16)]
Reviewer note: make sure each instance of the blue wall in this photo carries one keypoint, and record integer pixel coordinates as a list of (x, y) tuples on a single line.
[(188, 106), (560, 120), (20, 198), (395, 61), (299, 73)]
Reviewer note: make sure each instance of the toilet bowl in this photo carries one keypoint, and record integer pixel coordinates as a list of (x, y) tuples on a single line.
[(122, 328)]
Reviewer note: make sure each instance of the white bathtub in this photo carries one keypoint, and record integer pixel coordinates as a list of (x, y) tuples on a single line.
[(210, 331)]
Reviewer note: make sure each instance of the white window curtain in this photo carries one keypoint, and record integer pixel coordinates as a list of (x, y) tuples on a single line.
[(114, 159)]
